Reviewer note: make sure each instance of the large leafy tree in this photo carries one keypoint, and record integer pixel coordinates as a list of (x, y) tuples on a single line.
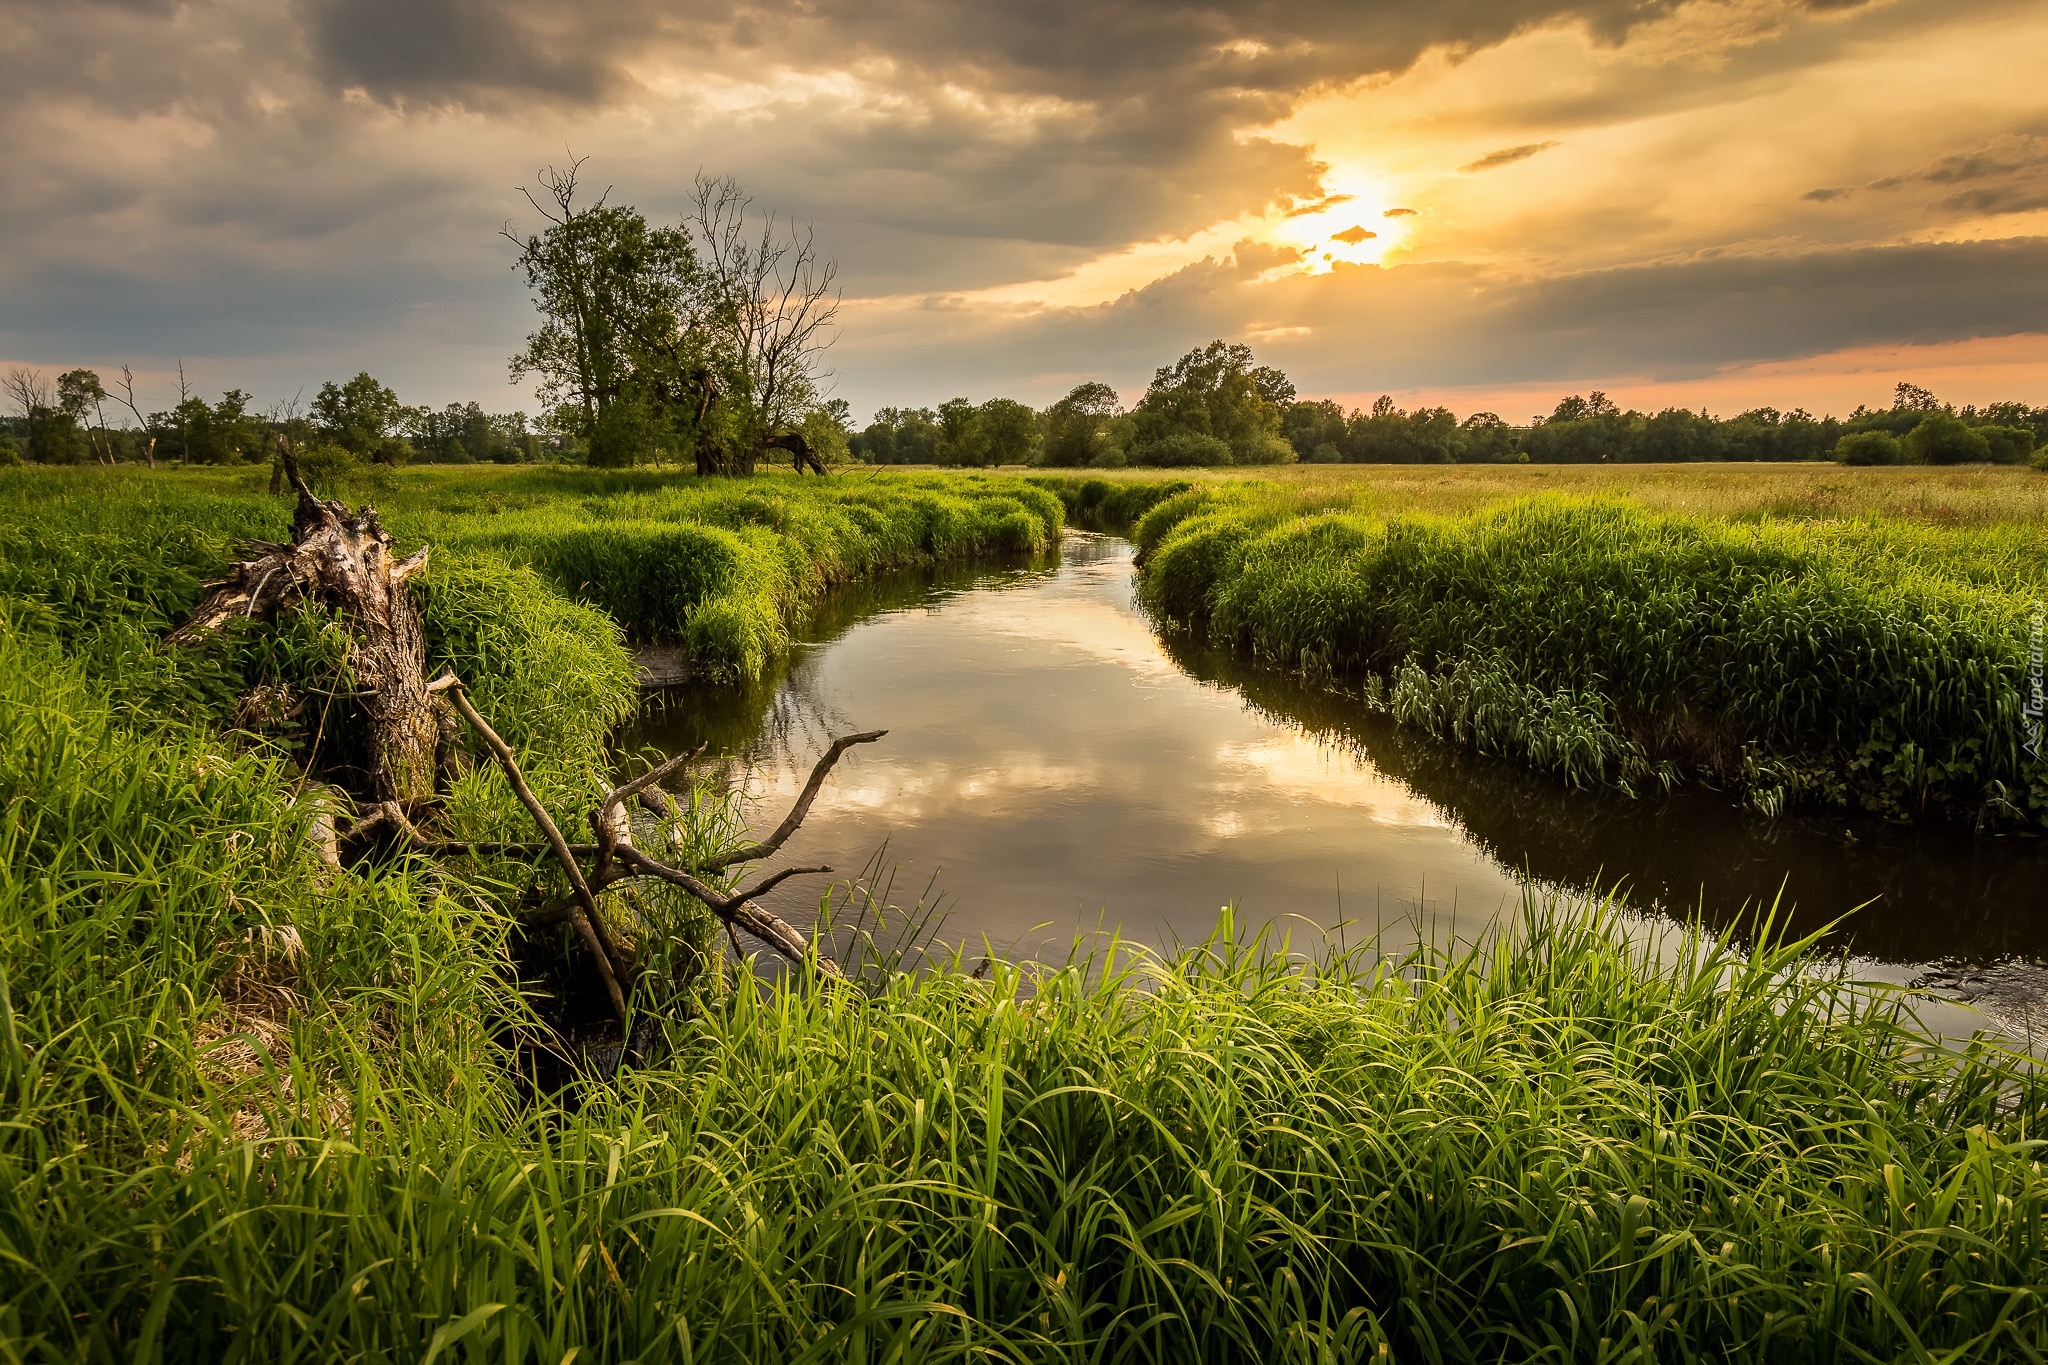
[(703, 338), (1214, 405), (363, 417), (1009, 431), (959, 433), (1075, 426), (621, 348), (81, 400)]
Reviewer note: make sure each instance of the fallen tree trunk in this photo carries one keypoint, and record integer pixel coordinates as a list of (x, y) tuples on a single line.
[(382, 745)]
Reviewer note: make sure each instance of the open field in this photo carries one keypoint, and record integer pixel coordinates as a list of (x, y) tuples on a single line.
[(220, 1146), (1967, 495)]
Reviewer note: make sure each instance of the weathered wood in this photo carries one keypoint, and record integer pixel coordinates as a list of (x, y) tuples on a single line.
[(767, 848), (384, 747), (589, 919)]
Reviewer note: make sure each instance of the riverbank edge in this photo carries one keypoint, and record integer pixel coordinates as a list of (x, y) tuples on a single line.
[(1874, 676)]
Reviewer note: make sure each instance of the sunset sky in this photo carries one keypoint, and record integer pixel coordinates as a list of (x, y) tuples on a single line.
[(1484, 203)]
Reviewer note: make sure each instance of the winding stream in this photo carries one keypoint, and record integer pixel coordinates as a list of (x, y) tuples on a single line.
[(1053, 767)]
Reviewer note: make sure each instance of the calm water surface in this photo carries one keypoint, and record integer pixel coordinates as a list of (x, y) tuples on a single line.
[(1054, 767)]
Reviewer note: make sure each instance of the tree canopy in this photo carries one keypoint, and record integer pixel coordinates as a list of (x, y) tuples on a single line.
[(701, 340), (1213, 406)]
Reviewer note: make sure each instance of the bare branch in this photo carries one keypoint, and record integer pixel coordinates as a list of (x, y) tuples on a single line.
[(590, 922), (773, 843), (603, 819), (141, 422), (735, 909), (775, 879)]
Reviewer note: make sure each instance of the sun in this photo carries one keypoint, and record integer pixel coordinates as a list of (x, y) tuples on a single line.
[(1355, 221)]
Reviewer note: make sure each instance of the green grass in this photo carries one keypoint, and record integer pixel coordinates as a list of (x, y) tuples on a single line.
[(1573, 1142), (722, 568), (1830, 660)]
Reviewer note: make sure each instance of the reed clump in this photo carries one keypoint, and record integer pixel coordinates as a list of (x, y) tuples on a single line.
[(721, 568)]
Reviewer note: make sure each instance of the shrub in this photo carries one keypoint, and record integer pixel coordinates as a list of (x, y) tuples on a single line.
[(1869, 447), (330, 470), (1941, 438), (1264, 450), (2008, 445), (1182, 448)]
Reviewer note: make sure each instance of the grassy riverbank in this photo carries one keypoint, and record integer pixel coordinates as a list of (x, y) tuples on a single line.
[(720, 568), (215, 1146), (1826, 641)]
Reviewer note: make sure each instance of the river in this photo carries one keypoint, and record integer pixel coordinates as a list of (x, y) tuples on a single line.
[(1053, 767)]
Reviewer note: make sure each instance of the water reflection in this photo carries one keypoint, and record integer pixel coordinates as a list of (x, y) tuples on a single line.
[(1058, 766)]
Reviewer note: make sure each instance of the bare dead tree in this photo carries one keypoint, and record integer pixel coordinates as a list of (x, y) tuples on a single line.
[(99, 414), (128, 401), (282, 416), (184, 423), (778, 301), (30, 391)]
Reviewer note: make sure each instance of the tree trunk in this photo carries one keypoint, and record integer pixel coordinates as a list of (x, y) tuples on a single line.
[(800, 453), (381, 738), (721, 460)]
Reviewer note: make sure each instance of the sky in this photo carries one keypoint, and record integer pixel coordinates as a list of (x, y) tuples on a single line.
[(1480, 203)]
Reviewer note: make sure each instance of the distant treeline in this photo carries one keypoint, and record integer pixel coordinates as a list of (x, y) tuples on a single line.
[(1216, 406), (76, 419), (1213, 406)]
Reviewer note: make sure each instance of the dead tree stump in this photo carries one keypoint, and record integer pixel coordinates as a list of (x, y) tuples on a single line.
[(381, 745)]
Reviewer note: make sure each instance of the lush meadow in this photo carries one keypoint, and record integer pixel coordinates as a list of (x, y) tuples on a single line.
[(257, 1110), (1821, 637)]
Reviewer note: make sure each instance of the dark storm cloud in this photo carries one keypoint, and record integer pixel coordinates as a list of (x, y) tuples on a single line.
[(1700, 314), (1417, 326), (1111, 120), (1077, 49), (443, 49)]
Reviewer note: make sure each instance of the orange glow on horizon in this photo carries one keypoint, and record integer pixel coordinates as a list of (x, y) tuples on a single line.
[(1982, 371)]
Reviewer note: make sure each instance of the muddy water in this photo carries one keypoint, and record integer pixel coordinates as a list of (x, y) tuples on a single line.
[(1054, 767)]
